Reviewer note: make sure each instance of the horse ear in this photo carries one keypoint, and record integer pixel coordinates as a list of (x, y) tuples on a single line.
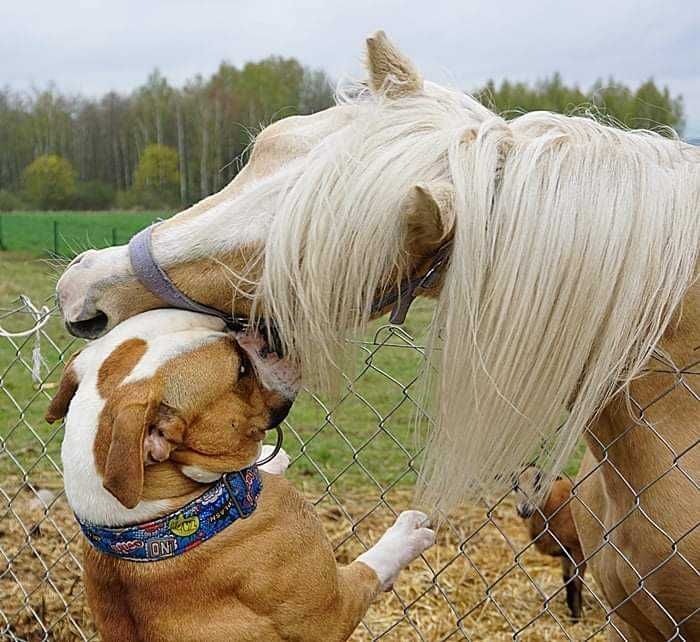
[(390, 72), (67, 387), (429, 213)]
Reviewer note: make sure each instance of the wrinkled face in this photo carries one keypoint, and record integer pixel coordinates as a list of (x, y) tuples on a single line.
[(194, 398), (214, 409)]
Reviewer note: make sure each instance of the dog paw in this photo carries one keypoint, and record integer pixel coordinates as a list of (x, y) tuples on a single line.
[(275, 466), (403, 542), (412, 535)]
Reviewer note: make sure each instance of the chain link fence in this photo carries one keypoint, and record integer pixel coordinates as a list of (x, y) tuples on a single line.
[(357, 461)]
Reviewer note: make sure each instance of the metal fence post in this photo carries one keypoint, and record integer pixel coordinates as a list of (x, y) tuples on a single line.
[(55, 237)]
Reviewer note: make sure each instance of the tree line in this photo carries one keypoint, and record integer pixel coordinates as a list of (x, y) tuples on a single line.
[(208, 123), (647, 107), (164, 147)]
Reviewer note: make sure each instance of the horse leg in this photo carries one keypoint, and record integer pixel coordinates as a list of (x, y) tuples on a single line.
[(623, 632)]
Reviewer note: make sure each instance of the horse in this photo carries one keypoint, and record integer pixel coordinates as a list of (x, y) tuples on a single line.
[(637, 505), (572, 251)]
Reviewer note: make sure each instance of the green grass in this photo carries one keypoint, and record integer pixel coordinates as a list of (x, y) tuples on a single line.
[(22, 402), (363, 441), (67, 233)]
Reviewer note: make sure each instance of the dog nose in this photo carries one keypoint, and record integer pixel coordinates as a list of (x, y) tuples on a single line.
[(279, 414)]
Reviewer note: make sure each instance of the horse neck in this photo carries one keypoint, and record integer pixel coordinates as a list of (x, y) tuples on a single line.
[(662, 401), (682, 338)]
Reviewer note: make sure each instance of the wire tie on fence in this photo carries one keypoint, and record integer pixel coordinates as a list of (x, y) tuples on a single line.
[(41, 318), (37, 359)]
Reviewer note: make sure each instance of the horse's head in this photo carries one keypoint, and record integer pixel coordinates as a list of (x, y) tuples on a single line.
[(215, 251), (210, 251)]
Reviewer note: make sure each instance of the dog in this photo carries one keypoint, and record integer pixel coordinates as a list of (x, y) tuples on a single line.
[(552, 529), (184, 537)]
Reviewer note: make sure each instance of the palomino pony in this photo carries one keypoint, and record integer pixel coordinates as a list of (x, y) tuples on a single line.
[(572, 250)]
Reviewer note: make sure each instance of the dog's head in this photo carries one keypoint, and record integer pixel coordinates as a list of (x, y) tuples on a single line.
[(533, 491), (528, 489), (173, 386)]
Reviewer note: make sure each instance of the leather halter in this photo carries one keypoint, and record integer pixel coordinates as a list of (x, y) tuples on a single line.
[(402, 298), (156, 281)]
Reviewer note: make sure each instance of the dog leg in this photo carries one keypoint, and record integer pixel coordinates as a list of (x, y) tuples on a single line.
[(399, 546), (357, 588), (573, 583), (377, 570), (276, 466), (359, 583)]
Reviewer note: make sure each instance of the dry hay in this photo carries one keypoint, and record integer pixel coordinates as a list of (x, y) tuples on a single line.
[(447, 597), (41, 583)]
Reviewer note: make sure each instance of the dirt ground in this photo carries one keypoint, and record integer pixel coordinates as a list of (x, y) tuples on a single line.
[(472, 585)]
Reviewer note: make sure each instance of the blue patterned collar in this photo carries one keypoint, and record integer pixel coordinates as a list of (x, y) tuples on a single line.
[(233, 497)]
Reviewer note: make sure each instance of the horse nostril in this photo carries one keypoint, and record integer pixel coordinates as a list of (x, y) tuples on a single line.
[(91, 328)]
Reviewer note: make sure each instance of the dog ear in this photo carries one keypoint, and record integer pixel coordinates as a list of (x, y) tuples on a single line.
[(123, 471), (67, 387)]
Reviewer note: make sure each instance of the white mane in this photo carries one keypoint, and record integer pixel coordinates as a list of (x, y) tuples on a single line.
[(574, 244)]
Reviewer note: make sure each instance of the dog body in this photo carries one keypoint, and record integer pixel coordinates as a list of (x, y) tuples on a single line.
[(157, 410), (270, 577)]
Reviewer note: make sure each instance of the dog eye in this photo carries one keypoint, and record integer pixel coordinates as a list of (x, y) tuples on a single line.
[(244, 366)]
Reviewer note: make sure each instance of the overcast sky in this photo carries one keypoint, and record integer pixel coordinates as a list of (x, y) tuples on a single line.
[(93, 46)]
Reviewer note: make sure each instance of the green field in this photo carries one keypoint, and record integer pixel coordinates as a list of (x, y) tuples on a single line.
[(67, 233), (365, 439)]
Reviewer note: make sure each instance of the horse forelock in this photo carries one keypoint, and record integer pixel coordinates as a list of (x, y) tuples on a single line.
[(574, 244)]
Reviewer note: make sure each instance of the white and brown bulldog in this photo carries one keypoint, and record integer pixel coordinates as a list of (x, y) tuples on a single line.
[(159, 413)]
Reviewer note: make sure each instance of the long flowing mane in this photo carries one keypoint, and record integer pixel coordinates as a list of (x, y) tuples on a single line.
[(574, 244)]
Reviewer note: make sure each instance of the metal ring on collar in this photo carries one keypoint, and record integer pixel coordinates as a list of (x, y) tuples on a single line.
[(276, 449)]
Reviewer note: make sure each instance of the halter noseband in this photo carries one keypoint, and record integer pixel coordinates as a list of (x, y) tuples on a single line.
[(157, 282)]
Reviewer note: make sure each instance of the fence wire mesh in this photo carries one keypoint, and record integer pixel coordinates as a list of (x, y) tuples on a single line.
[(356, 460)]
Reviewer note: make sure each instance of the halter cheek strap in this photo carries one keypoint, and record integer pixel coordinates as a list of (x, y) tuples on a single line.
[(402, 298)]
